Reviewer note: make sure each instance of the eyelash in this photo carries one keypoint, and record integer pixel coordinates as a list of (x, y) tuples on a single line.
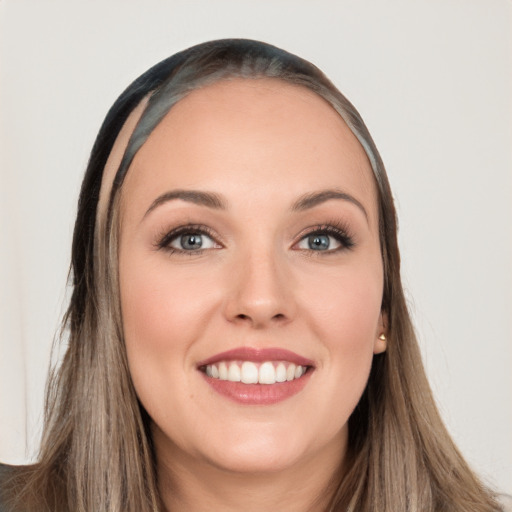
[(335, 228), (338, 230), (169, 236)]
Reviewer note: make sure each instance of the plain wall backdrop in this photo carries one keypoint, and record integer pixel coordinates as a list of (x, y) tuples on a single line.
[(431, 78)]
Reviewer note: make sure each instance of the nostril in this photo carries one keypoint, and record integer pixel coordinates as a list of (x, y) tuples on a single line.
[(276, 317)]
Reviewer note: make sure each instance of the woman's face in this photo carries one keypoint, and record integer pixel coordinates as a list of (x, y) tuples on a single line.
[(251, 277)]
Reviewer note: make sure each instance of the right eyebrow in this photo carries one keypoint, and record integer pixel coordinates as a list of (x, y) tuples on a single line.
[(313, 199), (208, 199)]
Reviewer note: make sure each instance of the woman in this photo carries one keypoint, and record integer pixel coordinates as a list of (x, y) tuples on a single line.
[(239, 337)]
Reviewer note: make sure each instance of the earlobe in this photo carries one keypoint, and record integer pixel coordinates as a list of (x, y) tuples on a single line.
[(381, 341), (380, 344)]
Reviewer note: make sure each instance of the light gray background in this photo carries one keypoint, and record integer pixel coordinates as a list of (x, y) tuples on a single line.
[(432, 79)]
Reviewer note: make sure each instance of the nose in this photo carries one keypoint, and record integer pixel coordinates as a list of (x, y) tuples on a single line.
[(261, 291)]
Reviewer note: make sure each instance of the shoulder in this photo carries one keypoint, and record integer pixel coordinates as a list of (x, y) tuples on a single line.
[(30, 487), (10, 477), (6, 472)]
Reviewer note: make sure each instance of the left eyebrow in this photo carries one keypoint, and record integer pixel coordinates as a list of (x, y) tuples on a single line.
[(208, 199), (313, 199)]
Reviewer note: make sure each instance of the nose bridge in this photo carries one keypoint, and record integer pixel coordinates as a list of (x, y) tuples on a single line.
[(261, 286)]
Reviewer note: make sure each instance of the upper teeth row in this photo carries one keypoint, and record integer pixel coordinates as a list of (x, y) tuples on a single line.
[(251, 373)]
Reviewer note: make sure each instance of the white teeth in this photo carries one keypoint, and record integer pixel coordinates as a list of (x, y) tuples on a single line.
[(267, 374), (280, 372), (223, 371), (248, 372), (233, 372)]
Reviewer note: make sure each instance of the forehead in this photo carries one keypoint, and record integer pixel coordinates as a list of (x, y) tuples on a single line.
[(252, 133)]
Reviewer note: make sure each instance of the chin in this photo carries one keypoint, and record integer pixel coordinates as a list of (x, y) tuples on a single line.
[(274, 450), (257, 458)]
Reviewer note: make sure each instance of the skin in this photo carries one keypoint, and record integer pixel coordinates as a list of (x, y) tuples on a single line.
[(261, 145)]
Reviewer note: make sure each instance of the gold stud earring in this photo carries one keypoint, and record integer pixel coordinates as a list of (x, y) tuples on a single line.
[(382, 337)]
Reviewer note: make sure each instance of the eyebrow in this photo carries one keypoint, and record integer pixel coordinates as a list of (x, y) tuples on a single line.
[(215, 201), (313, 199), (208, 199)]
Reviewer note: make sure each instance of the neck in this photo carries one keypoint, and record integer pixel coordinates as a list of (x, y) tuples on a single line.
[(191, 485)]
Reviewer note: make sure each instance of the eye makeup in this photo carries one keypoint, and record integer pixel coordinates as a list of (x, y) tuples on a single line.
[(319, 240), (316, 235), (193, 231)]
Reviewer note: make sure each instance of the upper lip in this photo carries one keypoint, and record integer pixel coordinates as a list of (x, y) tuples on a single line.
[(257, 355)]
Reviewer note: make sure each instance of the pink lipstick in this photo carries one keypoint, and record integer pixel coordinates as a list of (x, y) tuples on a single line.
[(256, 376)]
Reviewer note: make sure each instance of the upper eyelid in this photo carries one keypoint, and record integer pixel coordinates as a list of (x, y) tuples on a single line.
[(328, 227)]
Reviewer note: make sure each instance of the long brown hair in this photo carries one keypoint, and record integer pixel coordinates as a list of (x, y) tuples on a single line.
[(96, 453)]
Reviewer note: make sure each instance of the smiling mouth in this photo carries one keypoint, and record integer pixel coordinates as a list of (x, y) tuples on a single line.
[(249, 372), (252, 376)]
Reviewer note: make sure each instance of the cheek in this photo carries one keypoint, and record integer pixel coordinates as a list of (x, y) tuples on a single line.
[(341, 309), (344, 313), (160, 307), (346, 305), (164, 312)]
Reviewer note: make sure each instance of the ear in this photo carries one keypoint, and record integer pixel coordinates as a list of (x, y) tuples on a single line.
[(381, 341)]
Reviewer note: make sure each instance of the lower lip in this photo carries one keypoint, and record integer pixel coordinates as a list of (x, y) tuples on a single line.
[(258, 394)]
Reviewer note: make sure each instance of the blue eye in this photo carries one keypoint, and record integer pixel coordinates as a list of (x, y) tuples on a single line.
[(329, 238), (192, 241), (188, 239), (319, 242)]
